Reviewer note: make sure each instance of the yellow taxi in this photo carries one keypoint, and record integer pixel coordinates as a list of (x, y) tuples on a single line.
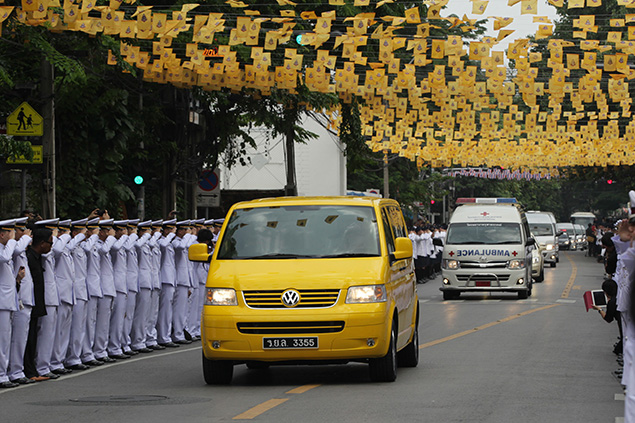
[(305, 280)]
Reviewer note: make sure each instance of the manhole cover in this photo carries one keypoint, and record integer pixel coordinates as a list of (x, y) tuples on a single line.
[(122, 399)]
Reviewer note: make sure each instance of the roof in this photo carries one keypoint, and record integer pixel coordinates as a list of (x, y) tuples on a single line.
[(302, 201)]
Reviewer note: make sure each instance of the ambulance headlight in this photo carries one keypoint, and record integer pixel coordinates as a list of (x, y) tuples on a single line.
[(451, 264), (516, 264), (549, 247), (220, 297)]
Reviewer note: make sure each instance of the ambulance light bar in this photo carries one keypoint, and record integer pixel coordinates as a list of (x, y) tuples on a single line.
[(486, 200)]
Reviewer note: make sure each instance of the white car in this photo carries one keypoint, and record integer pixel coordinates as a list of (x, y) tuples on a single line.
[(537, 265)]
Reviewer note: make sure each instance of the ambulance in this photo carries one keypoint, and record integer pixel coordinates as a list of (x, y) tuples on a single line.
[(488, 248)]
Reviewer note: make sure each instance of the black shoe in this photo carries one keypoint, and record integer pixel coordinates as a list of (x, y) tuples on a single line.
[(187, 335), (157, 347), (130, 353), (119, 356), (51, 375), (94, 363), (183, 341), (170, 345), (62, 371), (196, 338), (8, 384), (106, 359), (23, 381), (144, 350), (80, 366)]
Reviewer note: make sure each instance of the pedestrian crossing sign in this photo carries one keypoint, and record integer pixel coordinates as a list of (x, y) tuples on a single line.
[(25, 121)]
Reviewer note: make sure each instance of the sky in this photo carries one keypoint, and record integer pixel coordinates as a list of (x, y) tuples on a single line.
[(523, 24)]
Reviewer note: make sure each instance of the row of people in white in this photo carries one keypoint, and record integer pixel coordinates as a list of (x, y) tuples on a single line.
[(111, 289)]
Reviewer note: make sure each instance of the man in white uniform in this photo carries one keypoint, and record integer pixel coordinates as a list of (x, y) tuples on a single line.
[(8, 297), (119, 270), (181, 244), (22, 317), (138, 332), (106, 239), (48, 323), (80, 291), (155, 295), (132, 282), (168, 285)]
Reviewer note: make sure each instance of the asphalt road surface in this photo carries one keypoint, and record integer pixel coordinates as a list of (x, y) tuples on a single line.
[(484, 358)]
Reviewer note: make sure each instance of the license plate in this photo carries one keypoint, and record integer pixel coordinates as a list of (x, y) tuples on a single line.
[(303, 342), (483, 283)]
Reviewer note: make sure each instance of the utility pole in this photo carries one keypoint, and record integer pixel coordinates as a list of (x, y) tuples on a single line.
[(141, 196), (290, 116), (386, 181), (49, 206)]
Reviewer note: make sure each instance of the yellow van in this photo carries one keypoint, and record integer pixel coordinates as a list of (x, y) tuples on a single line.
[(306, 280)]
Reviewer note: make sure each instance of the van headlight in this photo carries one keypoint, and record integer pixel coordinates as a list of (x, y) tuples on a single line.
[(220, 297), (535, 259), (516, 264), (366, 294), (549, 247), (451, 264)]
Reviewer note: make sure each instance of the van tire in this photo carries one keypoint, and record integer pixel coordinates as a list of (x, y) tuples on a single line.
[(384, 369), (217, 372), (522, 295), (409, 356), (553, 264)]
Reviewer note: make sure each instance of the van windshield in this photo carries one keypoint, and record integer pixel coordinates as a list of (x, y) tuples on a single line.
[(541, 229), (484, 233), (291, 232)]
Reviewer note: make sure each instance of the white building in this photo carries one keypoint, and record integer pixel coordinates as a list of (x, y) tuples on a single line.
[(320, 164)]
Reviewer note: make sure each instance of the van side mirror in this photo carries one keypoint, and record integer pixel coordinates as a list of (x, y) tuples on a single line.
[(530, 241), (199, 253), (403, 248), (559, 233)]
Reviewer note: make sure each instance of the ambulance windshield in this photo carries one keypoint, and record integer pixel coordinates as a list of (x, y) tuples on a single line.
[(484, 233)]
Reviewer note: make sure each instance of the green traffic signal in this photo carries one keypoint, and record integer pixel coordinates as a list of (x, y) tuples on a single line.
[(138, 180)]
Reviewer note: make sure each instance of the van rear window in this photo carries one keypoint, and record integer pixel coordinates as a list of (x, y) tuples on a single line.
[(288, 232), (484, 233)]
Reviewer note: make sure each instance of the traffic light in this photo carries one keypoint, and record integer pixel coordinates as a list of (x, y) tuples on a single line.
[(138, 180), (431, 202), (610, 181)]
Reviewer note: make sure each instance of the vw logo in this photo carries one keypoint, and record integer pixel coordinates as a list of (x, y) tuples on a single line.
[(290, 298)]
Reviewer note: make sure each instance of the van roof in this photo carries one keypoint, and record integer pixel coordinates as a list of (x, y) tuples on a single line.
[(303, 201)]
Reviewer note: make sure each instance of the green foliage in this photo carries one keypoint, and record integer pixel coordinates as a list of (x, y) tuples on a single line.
[(10, 148)]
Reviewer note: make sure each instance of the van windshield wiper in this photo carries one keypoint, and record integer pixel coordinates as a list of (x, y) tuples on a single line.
[(508, 242), (277, 256), (343, 255)]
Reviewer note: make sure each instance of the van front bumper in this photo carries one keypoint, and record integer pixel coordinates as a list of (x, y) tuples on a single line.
[(239, 335), (466, 281)]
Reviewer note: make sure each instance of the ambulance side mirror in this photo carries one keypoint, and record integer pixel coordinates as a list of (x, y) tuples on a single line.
[(530, 241)]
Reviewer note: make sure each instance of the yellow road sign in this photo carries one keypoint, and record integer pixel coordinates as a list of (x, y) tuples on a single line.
[(25, 121), (37, 157)]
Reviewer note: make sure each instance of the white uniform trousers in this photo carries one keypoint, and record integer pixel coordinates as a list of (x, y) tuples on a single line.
[(138, 332), (179, 316), (6, 317), (62, 335), (193, 315), (628, 331), (166, 309), (131, 305), (19, 334), (153, 317), (45, 340), (78, 333), (115, 340), (102, 325), (89, 335)]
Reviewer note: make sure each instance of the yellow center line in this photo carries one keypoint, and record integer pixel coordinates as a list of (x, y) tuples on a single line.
[(302, 389), (260, 408), (574, 272), (485, 326)]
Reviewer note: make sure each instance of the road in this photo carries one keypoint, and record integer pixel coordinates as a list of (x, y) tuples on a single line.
[(484, 358)]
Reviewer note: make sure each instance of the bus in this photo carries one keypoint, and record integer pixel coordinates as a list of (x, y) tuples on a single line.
[(582, 218)]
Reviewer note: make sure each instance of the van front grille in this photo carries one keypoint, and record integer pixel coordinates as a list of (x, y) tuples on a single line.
[(309, 298), (290, 328), (485, 277)]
